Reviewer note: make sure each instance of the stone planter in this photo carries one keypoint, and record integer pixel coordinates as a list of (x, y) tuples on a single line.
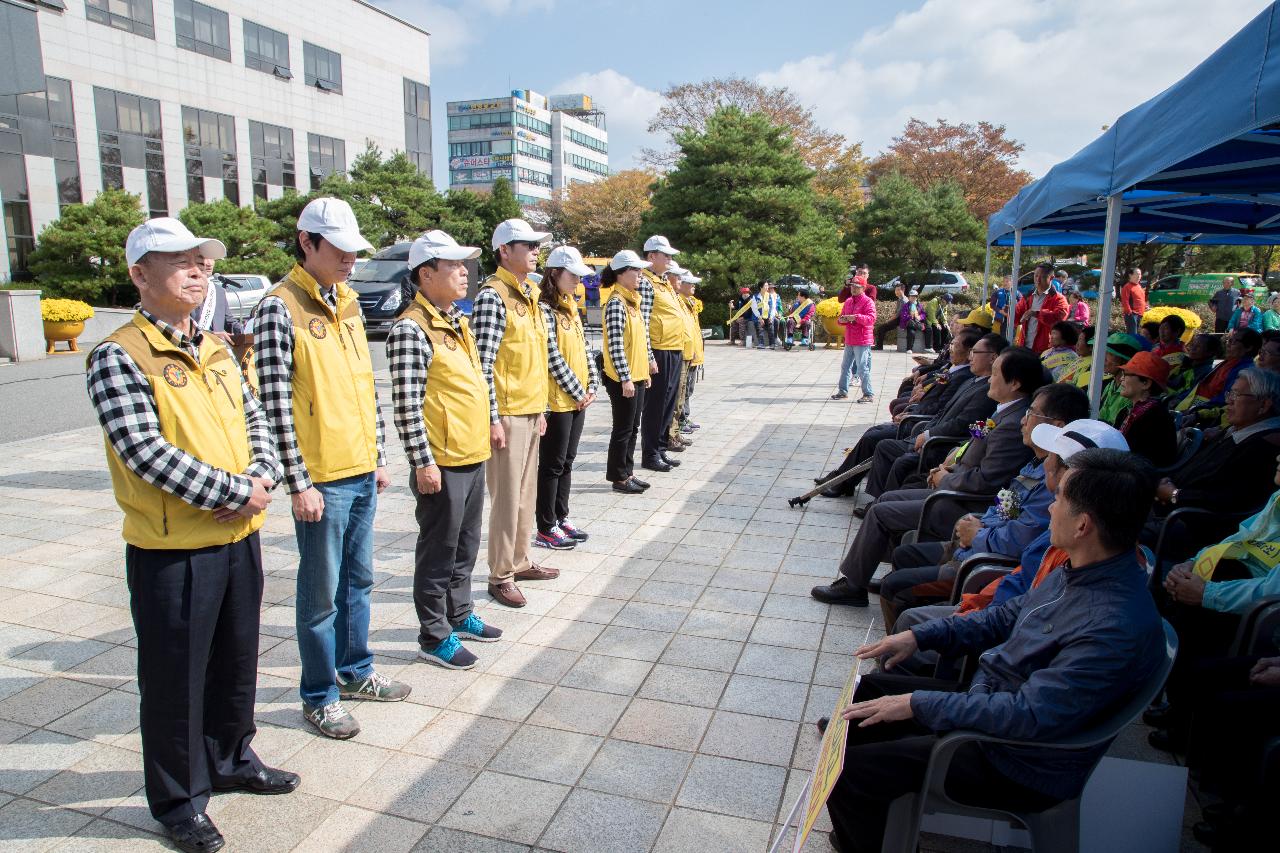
[(54, 332)]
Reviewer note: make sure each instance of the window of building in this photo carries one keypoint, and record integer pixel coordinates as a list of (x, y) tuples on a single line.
[(326, 155), (132, 15), (271, 156), (322, 68), (584, 163), (17, 210), (266, 50), (417, 124), (130, 136), (588, 142), (470, 121), (532, 150), (528, 200), (469, 149), (203, 29), (209, 146), (533, 124), (43, 124), (529, 176)]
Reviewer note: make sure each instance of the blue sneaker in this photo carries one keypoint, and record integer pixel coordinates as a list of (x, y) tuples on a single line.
[(450, 654), (568, 528), (473, 628), (555, 540)]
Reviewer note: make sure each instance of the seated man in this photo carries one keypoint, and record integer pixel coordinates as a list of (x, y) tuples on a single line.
[(938, 399), (1020, 512), (992, 458), (1037, 559), (926, 367), (897, 459), (1057, 660)]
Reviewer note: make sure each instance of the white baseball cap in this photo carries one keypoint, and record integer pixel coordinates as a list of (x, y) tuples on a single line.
[(568, 258), (689, 278), (1084, 434), (675, 269), (517, 229), (658, 243), (437, 244), (627, 258), (333, 219), (166, 234)]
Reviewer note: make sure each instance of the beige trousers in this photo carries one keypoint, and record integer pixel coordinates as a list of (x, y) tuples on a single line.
[(512, 477)]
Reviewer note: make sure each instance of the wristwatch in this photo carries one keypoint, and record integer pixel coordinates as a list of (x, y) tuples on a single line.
[(1173, 498)]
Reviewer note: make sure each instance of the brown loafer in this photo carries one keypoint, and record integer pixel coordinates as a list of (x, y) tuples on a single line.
[(538, 573), (507, 593)]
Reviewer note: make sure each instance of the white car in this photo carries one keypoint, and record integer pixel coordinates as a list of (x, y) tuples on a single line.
[(934, 281), (244, 292)]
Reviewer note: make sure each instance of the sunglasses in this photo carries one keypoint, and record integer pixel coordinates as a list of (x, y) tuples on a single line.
[(527, 244)]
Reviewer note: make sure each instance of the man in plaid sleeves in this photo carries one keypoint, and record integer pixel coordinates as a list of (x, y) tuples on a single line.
[(192, 466)]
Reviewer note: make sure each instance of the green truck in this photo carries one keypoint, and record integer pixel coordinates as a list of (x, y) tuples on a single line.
[(1196, 289)]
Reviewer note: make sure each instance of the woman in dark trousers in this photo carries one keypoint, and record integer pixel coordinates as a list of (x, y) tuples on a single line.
[(626, 366), (572, 388)]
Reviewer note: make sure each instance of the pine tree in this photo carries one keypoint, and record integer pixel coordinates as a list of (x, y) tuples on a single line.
[(81, 253)]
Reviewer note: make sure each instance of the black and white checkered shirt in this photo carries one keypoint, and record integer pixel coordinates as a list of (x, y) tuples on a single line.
[(273, 359), (560, 370), (409, 353), (489, 324), (615, 324), (646, 308), (126, 407)]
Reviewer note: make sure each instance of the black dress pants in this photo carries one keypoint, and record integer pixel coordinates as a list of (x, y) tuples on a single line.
[(626, 423), (892, 515), (883, 330), (196, 616), (861, 452), (556, 452), (660, 403), (445, 553), (887, 760)]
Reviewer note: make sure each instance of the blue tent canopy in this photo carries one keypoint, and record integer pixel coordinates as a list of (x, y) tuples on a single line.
[(1207, 149)]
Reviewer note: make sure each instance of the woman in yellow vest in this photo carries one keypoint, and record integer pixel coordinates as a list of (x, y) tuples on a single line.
[(572, 387), (440, 405), (688, 283), (626, 366)]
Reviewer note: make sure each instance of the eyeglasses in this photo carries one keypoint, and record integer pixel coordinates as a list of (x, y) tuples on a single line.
[(1231, 395), (526, 244), (982, 352), (1032, 413)]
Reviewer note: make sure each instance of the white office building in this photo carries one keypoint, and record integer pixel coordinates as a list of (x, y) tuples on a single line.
[(181, 101), (540, 144)]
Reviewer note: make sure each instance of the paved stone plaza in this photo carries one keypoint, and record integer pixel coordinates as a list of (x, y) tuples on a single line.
[(658, 696)]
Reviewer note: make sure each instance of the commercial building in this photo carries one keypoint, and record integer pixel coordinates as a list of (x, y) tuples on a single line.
[(540, 144), (180, 101)]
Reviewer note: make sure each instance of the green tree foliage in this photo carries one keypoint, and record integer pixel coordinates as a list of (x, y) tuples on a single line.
[(498, 206), (741, 207), (80, 255), (904, 228), (254, 243)]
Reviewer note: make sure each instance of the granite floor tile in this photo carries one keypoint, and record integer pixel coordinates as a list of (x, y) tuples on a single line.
[(505, 698), (727, 786), (506, 807), (441, 839), (603, 823), (460, 738), (663, 724), (584, 711), (750, 738), (413, 787), (686, 686), (702, 653), (690, 831), (351, 828), (551, 755), (637, 770), (27, 825), (765, 697), (632, 643), (607, 674)]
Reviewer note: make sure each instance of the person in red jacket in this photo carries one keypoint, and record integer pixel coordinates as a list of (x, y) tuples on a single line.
[(1133, 300), (1038, 311)]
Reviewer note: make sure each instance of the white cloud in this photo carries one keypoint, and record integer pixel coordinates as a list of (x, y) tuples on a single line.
[(1052, 71), (628, 106), (451, 32)]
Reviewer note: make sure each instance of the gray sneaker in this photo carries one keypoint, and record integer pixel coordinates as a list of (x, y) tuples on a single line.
[(376, 687), (331, 720)]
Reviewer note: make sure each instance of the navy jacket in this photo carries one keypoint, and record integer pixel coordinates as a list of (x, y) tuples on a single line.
[(1056, 661), (968, 404)]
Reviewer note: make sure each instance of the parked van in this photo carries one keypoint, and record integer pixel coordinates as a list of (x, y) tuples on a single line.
[(1196, 289)]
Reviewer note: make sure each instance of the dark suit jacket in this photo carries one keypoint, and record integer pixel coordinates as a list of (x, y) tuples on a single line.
[(992, 462), (1226, 476), (943, 390), (969, 404)]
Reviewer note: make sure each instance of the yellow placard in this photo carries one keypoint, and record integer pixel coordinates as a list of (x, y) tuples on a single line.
[(830, 761)]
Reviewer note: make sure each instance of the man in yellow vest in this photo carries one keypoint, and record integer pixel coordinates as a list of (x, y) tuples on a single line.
[(676, 442), (316, 385), (688, 284), (666, 345), (511, 337), (441, 411), (192, 466)]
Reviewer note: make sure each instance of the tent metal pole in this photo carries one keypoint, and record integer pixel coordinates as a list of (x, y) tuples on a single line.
[(1012, 324), (1102, 323), (986, 275)]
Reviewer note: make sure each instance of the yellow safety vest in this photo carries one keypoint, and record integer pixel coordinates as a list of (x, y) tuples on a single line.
[(334, 407), (633, 344), (455, 407), (200, 405), (520, 370), (572, 340), (666, 321), (692, 332)]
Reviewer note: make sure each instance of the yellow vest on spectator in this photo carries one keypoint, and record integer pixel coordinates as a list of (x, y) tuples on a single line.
[(520, 370), (572, 341), (633, 344)]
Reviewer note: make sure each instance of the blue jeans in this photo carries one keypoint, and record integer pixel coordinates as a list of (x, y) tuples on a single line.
[(1132, 322), (855, 359), (335, 581)]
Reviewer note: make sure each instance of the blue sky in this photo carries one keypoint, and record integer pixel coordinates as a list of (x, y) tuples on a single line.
[(1052, 71)]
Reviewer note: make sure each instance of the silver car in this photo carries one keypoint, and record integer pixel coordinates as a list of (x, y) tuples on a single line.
[(244, 292), (934, 281)]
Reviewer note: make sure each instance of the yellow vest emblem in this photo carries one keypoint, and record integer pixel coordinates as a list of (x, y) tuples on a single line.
[(450, 343), (175, 375), (520, 309), (317, 329)]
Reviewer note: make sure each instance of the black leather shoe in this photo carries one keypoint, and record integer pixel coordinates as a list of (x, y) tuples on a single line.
[(832, 493), (627, 487), (822, 725), (641, 483), (874, 587), (861, 511), (268, 780), (196, 834), (1157, 716), (659, 466), (674, 463), (1167, 741), (834, 842), (841, 592)]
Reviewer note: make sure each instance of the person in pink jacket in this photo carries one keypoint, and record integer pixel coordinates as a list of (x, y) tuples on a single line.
[(1077, 308), (858, 316)]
